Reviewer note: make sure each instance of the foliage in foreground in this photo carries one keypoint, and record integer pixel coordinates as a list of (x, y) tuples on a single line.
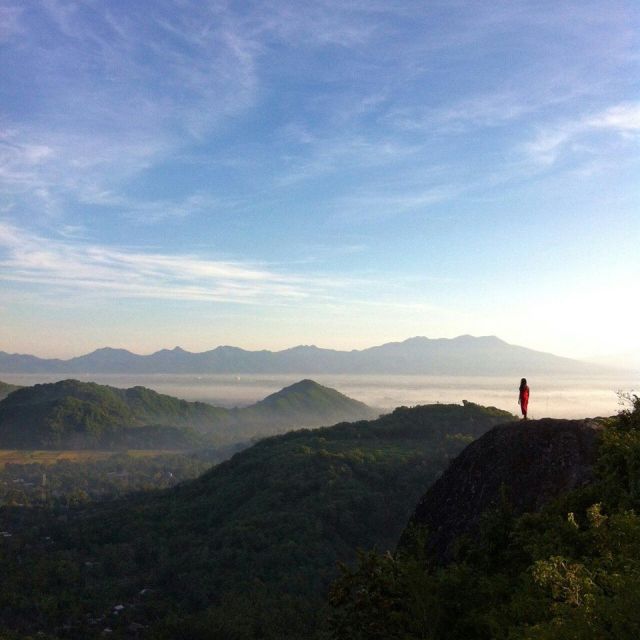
[(571, 572)]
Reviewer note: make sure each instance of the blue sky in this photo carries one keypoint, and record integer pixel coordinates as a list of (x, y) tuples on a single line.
[(339, 173)]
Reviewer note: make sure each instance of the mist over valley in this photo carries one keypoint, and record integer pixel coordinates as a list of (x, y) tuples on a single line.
[(418, 370)]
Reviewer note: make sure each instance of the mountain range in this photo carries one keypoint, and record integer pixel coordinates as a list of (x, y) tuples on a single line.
[(83, 415), (464, 355)]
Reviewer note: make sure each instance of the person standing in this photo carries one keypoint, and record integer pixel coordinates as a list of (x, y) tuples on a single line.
[(523, 397)]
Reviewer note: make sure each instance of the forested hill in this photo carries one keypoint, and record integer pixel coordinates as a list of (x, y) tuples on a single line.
[(536, 532), (306, 403), (527, 465), (6, 389), (245, 551), (72, 414)]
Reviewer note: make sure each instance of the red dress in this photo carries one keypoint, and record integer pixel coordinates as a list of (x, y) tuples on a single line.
[(524, 399)]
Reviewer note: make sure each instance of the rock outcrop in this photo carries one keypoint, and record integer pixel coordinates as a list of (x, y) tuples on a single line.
[(533, 461)]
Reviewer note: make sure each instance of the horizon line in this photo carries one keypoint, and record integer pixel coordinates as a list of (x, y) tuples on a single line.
[(296, 346)]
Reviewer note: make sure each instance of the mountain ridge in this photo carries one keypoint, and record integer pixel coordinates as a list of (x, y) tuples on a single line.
[(463, 355)]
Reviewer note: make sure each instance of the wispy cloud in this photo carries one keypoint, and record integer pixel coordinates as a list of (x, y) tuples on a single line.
[(113, 104), (622, 118), (619, 123), (45, 171), (480, 111), (103, 271), (148, 211), (386, 203), (70, 270), (10, 21), (501, 107), (322, 157)]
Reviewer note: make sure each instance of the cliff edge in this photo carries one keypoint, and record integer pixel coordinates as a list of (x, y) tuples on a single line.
[(533, 461)]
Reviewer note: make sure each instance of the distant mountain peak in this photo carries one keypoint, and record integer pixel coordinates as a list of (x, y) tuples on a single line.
[(177, 350), (228, 348), (467, 337), (307, 383), (303, 386), (110, 350)]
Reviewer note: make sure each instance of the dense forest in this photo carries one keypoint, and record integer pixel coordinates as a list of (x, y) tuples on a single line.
[(6, 389), (247, 550), (52, 479)]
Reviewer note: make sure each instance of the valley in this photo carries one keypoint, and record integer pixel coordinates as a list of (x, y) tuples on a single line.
[(253, 543)]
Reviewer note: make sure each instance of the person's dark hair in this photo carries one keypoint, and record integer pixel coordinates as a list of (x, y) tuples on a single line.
[(523, 383)]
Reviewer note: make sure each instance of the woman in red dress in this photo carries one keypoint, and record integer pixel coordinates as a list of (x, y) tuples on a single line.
[(523, 397)]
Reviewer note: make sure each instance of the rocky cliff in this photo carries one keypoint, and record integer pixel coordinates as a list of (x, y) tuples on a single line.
[(532, 462)]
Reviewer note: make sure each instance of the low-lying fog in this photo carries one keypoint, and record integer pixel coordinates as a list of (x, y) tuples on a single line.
[(559, 397)]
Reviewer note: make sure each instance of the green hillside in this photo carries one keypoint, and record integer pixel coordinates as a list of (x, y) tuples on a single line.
[(6, 389), (570, 571), (84, 415), (247, 550), (307, 403)]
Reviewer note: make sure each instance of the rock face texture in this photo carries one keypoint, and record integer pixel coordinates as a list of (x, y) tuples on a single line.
[(534, 461)]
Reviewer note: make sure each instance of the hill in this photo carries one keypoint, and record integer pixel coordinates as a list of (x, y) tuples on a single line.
[(6, 389), (538, 528), (84, 415), (81, 415), (245, 551), (528, 464), (307, 403), (464, 355)]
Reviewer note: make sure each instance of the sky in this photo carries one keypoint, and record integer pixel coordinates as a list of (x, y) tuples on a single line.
[(266, 174)]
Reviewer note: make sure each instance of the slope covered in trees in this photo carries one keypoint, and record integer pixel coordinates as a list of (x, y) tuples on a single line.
[(245, 551), (306, 404), (54, 479), (83, 415), (570, 570), (72, 414), (6, 389)]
